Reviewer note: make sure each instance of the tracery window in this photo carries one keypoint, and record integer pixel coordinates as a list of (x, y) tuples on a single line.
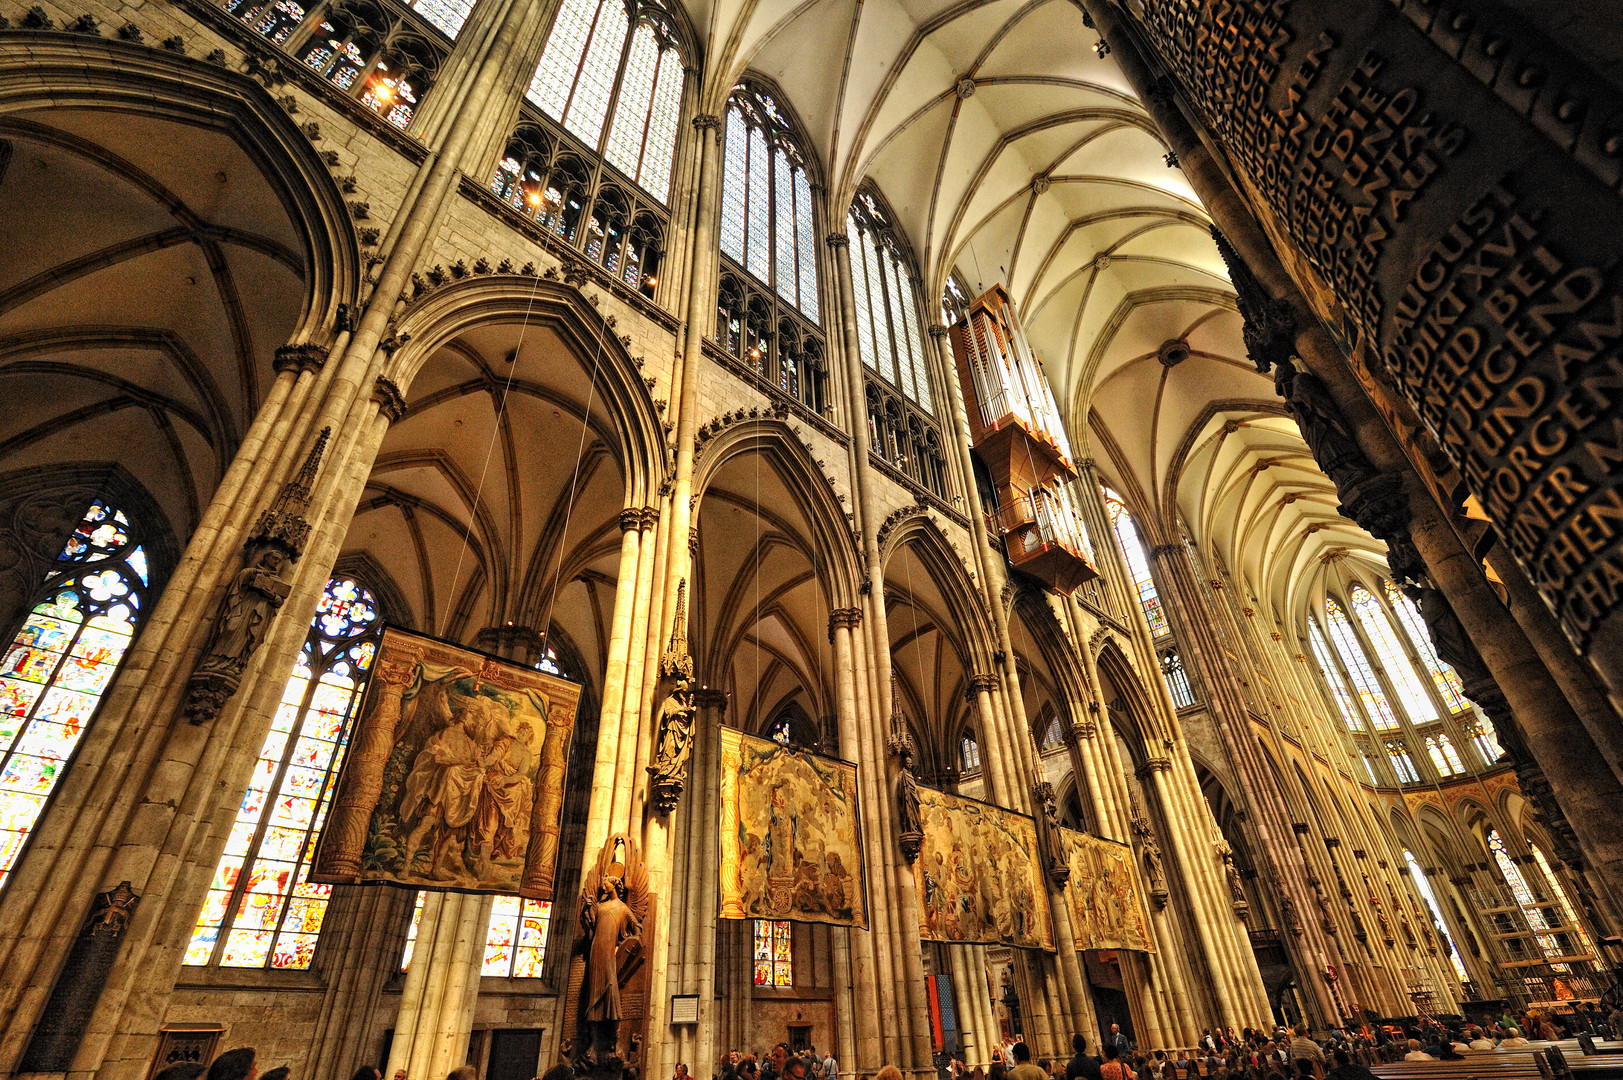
[(1423, 887), (516, 942), (1053, 734), (1482, 737), (1177, 679), (1536, 918), (969, 755), (767, 306), (1440, 748), (774, 953), (767, 217), (778, 731), (955, 300), (62, 661), (549, 663), (1442, 675), (261, 909), (1332, 675), (887, 317), (594, 44), (1363, 676), (1378, 628), (1138, 568), (1402, 763)]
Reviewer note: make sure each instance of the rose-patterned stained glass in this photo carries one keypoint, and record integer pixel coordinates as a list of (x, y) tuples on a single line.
[(61, 662), (516, 943), (1416, 702), (1363, 676), (1138, 569), (261, 909), (774, 953)]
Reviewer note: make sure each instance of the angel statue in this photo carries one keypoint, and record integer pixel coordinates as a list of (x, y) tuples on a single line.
[(674, 724), (614, 904)]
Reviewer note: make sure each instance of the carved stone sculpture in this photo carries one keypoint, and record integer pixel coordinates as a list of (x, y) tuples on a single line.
[(1050, 842), (1242, 907), (67, 1011), (255, 594), (609, 963), (910, 817), (1150, 854), (1287, 910), (675, 721)]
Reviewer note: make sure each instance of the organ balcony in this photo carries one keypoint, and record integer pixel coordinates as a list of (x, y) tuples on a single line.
[(1044, 537)]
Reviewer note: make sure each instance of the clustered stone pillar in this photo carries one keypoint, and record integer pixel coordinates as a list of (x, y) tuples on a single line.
[(436, 1005)]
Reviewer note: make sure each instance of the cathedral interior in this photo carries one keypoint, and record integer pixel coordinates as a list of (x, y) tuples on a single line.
[(1196, 427)]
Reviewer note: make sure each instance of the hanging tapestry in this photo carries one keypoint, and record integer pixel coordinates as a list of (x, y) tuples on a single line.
[(1107, 903), (977, 874), (791, 834), (455, 774)]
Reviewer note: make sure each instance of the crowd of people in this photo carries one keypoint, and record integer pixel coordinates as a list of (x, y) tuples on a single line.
[(1342, 1054)]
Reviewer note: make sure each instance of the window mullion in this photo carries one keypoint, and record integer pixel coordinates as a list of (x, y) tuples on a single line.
[(272, 790), (614, 104)]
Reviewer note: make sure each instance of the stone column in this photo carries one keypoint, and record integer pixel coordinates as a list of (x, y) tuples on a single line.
[(365, 932), (436, 1006)]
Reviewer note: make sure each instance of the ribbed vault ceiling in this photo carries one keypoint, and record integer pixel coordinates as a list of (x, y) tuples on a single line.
[(1010, 152)]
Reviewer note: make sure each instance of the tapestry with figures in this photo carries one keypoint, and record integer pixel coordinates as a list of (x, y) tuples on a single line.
[(791, 834), (978, 876), (1107, 901)]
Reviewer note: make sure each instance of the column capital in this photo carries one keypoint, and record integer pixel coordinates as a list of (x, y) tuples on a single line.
[(837, 240), (296, 358), (938, 331), (631, 518), (391, 402), (848, 617), (980, 683), (512, 642), (1151, 766), (707, 121), (707, 698), (1084, 729)]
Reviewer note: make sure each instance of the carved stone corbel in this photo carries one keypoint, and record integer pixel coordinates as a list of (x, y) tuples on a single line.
[(255, 593)]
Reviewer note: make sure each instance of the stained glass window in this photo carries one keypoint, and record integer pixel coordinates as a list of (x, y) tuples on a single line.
[(1481, 736), (1378, 628), (1440, 748), (1053, 734), (954, 301), (778, 731), (261, 909), (1537, 919), (1423, 887), (446, 15), (969, 754), (1363, 676), (549, 663), (774, 953), (592, 44), (1138, 569), (1444, 676), (887, 315), (1332, 675), (1177, 679), (1402, 763), (411, 934), (62, 661), (516, 944), (766, 213)]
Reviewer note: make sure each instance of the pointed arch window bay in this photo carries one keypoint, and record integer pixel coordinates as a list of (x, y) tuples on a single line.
[(261, 909), (61, 662), (1138, 567), (768, 222)]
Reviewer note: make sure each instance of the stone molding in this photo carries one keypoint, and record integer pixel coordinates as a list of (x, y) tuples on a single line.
[(391, 402)]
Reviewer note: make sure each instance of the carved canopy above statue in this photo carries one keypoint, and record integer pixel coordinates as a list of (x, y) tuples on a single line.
[(978, 875), (791, 834), (455, 775), (1107, 902)]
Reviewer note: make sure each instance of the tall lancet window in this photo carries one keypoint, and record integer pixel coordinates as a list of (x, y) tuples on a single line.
[(1363, 676), (61, 663), (261, 909), (608, 58), (767, 218), (1411, 692), (1418, 876), (1443, 676), (887, 313), (1138, 568), (1332, 675)]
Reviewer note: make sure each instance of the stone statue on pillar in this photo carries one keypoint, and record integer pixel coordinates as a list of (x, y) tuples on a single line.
[(1051, 851), (609, 970), (675, 722), (1150, 854), (1231, 873), (909, 814), (255, 594)]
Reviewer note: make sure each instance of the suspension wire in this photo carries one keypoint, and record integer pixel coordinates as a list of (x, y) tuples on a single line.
[(574, 484), (490, 449)]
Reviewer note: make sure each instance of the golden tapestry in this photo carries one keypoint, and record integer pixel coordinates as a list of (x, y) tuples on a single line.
[(455, 773), (978, 876), (791, 834), (1107, 903)]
